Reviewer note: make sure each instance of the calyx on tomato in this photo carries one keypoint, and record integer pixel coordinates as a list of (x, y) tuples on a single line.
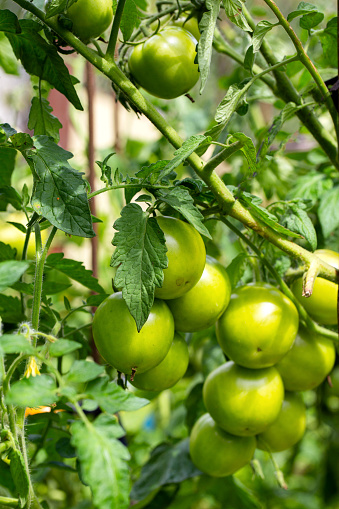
[(164, 64), (119, 342)]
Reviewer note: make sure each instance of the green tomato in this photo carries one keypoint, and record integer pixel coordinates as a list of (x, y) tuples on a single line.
[(243, 401), (119, 342), (164, 64), (322, 305), (288, 428), (168, 372), (186, 255), (90, 18), (258, 327), (200, 308), (191, 25), (308, 362), (217, 453)]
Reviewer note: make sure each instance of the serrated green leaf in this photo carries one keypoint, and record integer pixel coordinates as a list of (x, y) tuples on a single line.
[(249, 59), (233, 10), (42, 59), (103, 461), (329, 42), (19, 475), (54, 7), (262, 28), (15, 343), (63, 347), (6, 131), (296, 219), (232, 100), (140, 256), (60, 193), (168, 464), (11, 271), (75, 270), (111, 398), (41, 120), (9, 22), (311, 186), (33, 392), (7, 252), (180, 199), (248, 149), (328, 211), (311, 20), (129, 20), (181, 154), (83, 371), (236, 268), (206, 28), (303, 8)]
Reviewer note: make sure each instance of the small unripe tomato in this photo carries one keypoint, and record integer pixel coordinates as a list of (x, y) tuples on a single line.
[(90, 18), (258, 327), (119, 342), (308, 362), (168, 372), (186, 255), (216, 452), (200, 308), (243, 401), (288, 428), (322, 304), (164, 64)]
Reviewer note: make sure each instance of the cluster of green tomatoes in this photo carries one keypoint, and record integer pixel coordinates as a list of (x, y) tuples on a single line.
[(253, 399)]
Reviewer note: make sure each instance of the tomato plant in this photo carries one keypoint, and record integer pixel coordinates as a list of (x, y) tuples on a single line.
[(164, 64), (201, 306), (216, 452), (258, 327)]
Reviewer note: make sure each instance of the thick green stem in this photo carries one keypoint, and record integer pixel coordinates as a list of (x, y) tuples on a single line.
[(222, 156), (115, 31), (9, 502), (305, 59), (39, 271)]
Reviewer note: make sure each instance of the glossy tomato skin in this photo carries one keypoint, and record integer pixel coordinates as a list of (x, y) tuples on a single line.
[(164, 64), (308, 362), (258, 327), (322, 305), (170, 370), (90, 17), (191, 25), (243, 401), (288, 428), (216, 452), (121, 345), (200, 308), (186, 255)]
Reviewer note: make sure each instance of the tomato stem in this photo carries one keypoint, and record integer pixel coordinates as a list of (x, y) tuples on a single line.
[(110, 53)]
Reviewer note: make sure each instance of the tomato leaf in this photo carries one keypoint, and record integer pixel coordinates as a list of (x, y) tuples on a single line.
[(302, 9), (19, 475), (7, 157), (233, 99), (41, 59), (9, 22), (33, 392), (130, 19), (262, 28), (236, 268), (59, 193), (103, 461), (140, 256), (111, 398), (329, 42), (15, 343), (7, 252), (11, 271), (75, 270), (206, 28), (233, 10), (83, 371), (63, 347), (10, 309), (248, 149), (168, 464), (41, 120), (54, 7), (328, 211), (180, 199)]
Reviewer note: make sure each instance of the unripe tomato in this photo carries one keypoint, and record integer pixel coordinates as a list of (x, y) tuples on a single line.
[(199, 308), (119, 342), (215, 452), (191, 25), (308, 362), (258, 327), (322, 305), (288, 428), (186, 255), (168, 372), (243, 401), (90, 18), (164, 64)]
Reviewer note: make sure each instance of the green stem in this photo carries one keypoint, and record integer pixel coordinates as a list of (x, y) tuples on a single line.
[(110, 53), (222, 155), (77, 330), (124, 186), (9, 502), (23, 257), (305, 59), (313, 326), (39, 271)]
